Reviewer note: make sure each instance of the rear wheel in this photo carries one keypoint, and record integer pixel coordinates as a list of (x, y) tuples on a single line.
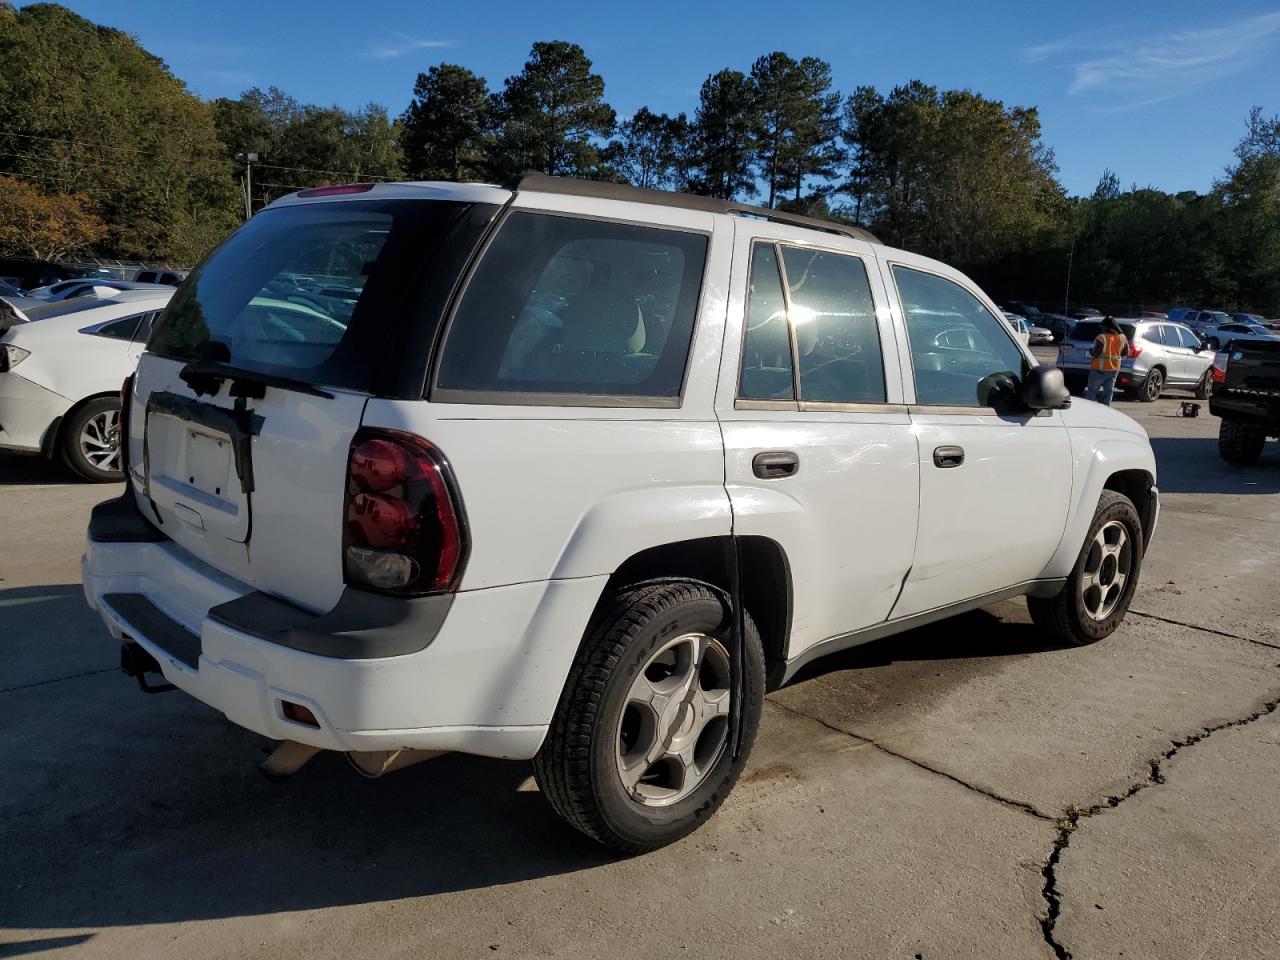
[(1213, 343), (91, 441), (1098, 592), (1240, 443), (1149, 392), (638, 753)]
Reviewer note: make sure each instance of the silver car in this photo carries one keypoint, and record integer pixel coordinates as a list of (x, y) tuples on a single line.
[(1162, 354), (1224, 333)]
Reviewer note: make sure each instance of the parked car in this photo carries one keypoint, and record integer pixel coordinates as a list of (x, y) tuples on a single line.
[(1246, 399), (1020, 328), (1086, 313), (1161, 355), (1153, 315), (1224, 333), (1249, 318), (15, 309), (1199, 320), (91, 287), (1060, 325), (8, 289), (1178, 314), (588, 508), (1040, 335), (60, 376), (30, 272), (170, 278)]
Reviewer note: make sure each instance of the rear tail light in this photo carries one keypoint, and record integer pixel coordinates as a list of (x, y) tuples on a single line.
[(1220, 367), (1135, 351), (404, 530)]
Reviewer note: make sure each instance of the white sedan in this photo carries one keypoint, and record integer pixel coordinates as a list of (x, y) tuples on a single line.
[(60, 380)]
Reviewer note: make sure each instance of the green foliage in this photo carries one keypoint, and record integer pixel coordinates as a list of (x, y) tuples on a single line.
[(85, 110), (724, 138), (445, 127), (304, 145), (651, 150), (797, 122), (548, 115)]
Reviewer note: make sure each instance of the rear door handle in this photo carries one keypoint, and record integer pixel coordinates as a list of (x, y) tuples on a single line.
[(775, 464), (948, 456)]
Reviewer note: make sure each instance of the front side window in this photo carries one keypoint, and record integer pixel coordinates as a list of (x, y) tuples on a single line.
[(576, 308), (959, 350), (1186, 338)]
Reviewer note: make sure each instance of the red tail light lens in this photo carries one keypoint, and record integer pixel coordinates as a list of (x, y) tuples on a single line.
[(405, 532), (1134, 350), (1220, 367)]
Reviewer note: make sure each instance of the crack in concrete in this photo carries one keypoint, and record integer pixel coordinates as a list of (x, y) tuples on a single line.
[(1020, 805), (1196, 626), (1066, 826), (74, 676)]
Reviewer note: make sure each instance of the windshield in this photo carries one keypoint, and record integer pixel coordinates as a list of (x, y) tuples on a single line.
[(1087, 330), (317, 292)]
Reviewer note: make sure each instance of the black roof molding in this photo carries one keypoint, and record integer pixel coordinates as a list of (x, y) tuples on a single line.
[(603, 190)]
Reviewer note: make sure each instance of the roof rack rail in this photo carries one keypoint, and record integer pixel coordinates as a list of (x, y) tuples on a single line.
[(603, 190)]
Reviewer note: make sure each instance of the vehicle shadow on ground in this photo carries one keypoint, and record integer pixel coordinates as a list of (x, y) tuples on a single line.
[(138, 809), (1192, 465), (977, 635), (17, 470)]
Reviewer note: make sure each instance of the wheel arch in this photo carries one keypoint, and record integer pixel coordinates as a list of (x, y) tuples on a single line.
[(52, 444), (766, 582), (1138, 485)]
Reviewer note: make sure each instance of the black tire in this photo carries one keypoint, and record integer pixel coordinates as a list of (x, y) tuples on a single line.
[(75, 453), (1240, 443), (1212, 343), (1064, 617), (1152, 386), (577, 767), (1205, 386)]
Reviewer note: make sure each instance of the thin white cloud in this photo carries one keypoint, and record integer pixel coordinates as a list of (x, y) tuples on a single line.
[(1133, 72), (398, 44)]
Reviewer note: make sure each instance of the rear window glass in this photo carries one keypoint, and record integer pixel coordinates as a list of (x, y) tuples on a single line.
[(315, 292), (1088, 330), (569, 307)]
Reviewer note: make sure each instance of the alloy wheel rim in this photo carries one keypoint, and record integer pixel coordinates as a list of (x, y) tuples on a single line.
[(1154, 382), (1106, 572), (674, 725), (100, 441)]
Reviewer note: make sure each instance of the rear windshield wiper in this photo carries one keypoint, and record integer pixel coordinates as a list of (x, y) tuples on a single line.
[(206, 376)]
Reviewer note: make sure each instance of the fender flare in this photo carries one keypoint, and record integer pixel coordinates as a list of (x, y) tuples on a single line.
[(1107, 457)]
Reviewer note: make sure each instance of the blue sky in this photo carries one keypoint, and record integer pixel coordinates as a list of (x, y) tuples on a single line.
[(1157, 91)]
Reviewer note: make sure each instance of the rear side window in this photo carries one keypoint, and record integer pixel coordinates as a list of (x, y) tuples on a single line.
[(328, 293), (766, 343), (832, 333), (126, 329), (570, 310), (1156, 334)]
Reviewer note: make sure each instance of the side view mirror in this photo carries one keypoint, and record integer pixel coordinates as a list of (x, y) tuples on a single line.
[(1045, 388)]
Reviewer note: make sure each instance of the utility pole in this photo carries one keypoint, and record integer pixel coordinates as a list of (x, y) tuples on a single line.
[(1071, 254), (249, 160)]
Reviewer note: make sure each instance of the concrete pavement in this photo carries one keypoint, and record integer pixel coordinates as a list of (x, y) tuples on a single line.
[(961, 791)]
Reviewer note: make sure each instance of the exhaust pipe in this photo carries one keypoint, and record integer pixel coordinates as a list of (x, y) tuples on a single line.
[(372, 764), (286, 760)]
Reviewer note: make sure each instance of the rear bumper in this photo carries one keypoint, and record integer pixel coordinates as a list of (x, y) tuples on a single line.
[(487, 684), (27, 411)]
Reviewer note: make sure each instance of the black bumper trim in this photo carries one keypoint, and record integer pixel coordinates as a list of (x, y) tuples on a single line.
[(120, 521), (155, 626), (362, 626)]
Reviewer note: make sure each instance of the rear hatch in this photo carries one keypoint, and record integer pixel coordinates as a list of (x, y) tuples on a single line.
[(256, 378), (1076, 346)]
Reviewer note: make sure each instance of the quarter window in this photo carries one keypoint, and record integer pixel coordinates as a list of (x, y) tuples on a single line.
[(958, 348), (561, 305)]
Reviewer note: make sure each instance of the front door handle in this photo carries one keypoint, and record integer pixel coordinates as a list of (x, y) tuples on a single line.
[(948, 456), (775, 464)]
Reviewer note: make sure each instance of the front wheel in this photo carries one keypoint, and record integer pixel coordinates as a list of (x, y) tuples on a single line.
[(1102, 583), (638, 753), (91, 441), (1213, 343)]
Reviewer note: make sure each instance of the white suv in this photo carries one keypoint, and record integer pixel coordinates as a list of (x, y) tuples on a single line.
[(575, 472)]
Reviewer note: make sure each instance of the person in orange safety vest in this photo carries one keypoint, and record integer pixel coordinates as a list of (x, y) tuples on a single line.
[(1110, 346)]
